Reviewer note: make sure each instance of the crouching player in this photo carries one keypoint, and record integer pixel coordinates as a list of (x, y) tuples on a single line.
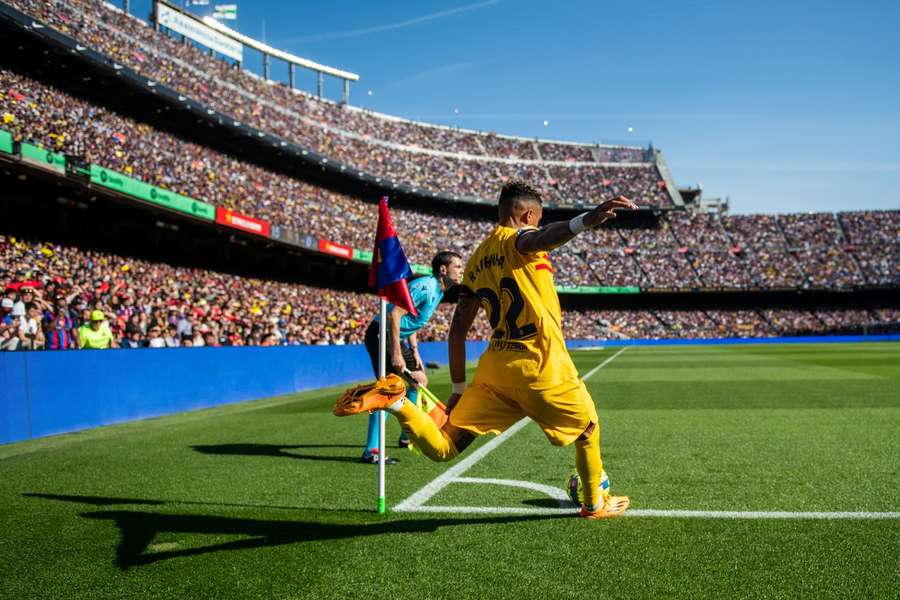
[(402, 345), (526, 369)]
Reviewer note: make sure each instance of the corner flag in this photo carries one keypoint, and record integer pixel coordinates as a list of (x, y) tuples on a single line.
[(387, 274), (390, 269)]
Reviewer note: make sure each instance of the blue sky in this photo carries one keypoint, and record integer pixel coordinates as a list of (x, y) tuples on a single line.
[(781, 106)]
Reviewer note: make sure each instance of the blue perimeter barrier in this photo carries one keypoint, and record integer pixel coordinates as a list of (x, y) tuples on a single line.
[(46, 393)]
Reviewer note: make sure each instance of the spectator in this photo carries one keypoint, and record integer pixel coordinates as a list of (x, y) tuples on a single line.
[(171, 339), (96, 334), (209, 339), (11, 326), (31, 333), (6, 307), (60, 330), (154, 338)]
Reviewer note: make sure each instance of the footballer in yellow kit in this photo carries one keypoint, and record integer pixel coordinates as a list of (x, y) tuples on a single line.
[(526, 370)]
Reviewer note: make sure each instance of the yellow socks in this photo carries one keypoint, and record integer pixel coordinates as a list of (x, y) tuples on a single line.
[(424, 433), (590, 466)]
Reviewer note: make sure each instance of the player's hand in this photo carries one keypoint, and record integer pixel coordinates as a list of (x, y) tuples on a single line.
[(451, 402), (397, 362), (606, 211)]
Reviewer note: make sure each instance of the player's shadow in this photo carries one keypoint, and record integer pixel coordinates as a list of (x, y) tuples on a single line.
[(111, 501), (546, 503), (138, 529), (280, 450)]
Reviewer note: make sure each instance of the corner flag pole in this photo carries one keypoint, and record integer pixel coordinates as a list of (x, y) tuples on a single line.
[(382, 373), (388, 272)]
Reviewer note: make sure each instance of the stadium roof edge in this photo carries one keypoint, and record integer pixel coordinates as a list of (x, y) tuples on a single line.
[(265, 48)]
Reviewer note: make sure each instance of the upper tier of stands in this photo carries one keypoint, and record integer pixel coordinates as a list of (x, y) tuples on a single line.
[(465, 164)]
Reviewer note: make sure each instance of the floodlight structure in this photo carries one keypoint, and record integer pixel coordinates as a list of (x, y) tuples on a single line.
[(225, 40)]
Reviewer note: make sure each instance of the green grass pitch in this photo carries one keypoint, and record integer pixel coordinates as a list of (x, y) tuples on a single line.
[(266, 499)]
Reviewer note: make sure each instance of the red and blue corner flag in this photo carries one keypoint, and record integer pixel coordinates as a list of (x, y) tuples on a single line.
[(390, 269)]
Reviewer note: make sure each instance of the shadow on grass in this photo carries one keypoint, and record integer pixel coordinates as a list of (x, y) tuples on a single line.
[(278, 450), (109, 501), (547, 503), (138, 529)]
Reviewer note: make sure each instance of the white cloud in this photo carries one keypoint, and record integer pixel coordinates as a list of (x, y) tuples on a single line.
[(339, 35)]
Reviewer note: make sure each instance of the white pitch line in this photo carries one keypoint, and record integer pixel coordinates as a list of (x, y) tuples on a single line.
[(441, 481), (494, 510), (555, 493), (776, 514), (603, 364), (415, 501), (674, 514)]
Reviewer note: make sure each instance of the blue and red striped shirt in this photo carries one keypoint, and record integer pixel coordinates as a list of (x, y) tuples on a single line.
[(59, 334)]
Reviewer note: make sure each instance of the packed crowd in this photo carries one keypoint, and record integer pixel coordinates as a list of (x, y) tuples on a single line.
[(58, 297), (613, 325), (679, 250), (39, 113), (465, 164), (52, 293), (591, 184)]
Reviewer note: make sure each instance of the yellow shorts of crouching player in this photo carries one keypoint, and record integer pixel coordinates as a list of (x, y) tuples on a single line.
[(563, 412)]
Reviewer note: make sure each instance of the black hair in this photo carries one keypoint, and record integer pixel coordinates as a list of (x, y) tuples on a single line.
[(443, 259), (516, 188)]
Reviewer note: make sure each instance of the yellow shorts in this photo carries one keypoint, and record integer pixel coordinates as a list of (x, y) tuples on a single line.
[(563, 412)]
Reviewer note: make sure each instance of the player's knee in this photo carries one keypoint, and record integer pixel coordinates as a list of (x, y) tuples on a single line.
[(461, 440)]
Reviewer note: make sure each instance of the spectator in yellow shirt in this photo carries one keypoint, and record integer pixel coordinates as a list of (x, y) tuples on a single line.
[(96, 335)]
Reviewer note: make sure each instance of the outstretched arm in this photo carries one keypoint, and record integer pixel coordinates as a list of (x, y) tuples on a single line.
[(463, 316), (556, 234)]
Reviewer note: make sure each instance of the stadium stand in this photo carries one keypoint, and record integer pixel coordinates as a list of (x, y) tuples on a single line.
[(197, 307), (463, 163), (684, 250), (664, 250)]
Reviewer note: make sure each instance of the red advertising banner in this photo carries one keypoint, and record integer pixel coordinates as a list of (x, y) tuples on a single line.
[(335, 249), (230, 218)]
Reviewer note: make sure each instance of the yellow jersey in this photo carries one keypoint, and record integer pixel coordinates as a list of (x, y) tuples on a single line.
[(527, 348), (95, 340)]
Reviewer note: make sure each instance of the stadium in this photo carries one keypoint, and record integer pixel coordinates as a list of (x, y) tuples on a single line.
[(744, 366)]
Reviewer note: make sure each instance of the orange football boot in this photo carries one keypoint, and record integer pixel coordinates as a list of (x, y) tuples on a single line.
[(612, 506), (370, 396)]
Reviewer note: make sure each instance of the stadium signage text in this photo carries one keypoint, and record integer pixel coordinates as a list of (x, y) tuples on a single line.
[(45, 159), (150, 193), (230, 218), (197, 31), (329, 247)]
